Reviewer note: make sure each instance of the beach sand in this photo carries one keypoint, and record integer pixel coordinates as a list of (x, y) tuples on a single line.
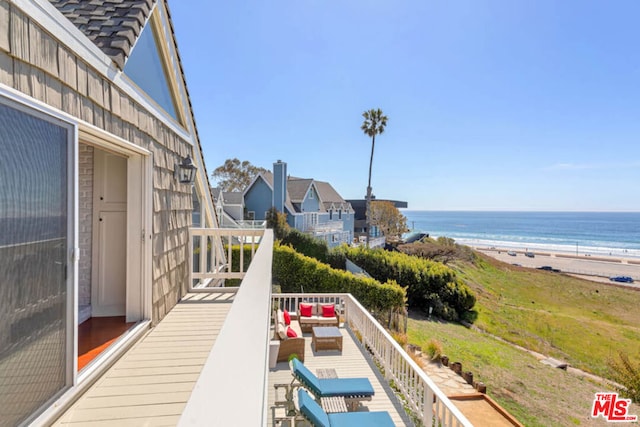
[(596, 268)]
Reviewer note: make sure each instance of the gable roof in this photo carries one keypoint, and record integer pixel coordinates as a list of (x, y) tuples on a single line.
[(232, 197), (331, 199), (298, 188), (112, 25), (267, 177)]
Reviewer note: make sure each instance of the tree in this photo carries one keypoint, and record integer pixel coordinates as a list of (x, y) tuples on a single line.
[(388, 219), (374, 123), (278, 222), (235, 175)]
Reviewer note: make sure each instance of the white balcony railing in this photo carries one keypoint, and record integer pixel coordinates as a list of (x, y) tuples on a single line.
[(326, 227), (212, 255), (423, 396)]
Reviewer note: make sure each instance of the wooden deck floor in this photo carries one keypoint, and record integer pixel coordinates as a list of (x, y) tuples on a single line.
[(151, 383), (352, 362)]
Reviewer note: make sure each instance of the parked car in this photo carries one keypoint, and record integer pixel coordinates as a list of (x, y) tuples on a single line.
[(623, 279), (530, 254), (512, 253), (549, 268)]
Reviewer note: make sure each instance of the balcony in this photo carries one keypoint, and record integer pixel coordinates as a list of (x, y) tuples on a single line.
[(369, 351), (209, 356), (324, 227)]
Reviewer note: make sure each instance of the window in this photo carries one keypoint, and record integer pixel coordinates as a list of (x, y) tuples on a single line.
[(196, 212), (330, 214), (36, 235), (145, 67), (339, 213), (311, 196)]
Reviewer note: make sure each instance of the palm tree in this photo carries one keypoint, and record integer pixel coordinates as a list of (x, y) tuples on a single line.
[(374, 123)]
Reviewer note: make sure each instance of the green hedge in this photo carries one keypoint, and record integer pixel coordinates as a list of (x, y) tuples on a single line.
[(295, 273), (428, 283), (307, 245)]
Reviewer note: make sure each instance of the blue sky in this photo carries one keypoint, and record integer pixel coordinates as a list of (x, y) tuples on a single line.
[(492, 105)]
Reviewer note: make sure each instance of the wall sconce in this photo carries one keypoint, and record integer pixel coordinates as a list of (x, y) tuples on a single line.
[(186, 171)]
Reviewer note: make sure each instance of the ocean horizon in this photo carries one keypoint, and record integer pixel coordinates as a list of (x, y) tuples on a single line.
[(582, 233)]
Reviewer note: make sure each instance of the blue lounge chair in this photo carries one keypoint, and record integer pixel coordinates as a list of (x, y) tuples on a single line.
[(329, 387), (313, 412)]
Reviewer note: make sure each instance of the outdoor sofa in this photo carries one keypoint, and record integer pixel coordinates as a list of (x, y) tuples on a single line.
[(312, 314), (288, 345)]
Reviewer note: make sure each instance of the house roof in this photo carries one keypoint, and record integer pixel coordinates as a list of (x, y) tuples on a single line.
[(298, 188), (215, 192), (232, 197), (113, 25), (267, 177)]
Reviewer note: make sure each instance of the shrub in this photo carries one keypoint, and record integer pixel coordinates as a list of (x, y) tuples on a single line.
[(401, 338), (428, 283), (295, 272), (625, 373), (434, 349), (307, 245)]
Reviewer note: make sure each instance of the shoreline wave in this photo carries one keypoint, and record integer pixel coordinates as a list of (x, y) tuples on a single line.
[(542, 247)]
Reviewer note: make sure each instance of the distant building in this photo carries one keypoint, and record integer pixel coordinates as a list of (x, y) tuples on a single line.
[(312, 206), (360, 208)]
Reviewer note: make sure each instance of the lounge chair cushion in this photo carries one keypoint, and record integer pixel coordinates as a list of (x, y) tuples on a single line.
[(311, 410), (353, 419), (305, 376), (346, 387)]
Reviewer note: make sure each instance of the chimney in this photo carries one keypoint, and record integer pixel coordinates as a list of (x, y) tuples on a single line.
[(279, 185)]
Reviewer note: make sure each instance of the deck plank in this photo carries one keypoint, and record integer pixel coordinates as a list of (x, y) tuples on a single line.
[(152, 382)]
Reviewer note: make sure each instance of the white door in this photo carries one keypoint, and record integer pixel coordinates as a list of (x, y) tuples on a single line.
[(109, 284)]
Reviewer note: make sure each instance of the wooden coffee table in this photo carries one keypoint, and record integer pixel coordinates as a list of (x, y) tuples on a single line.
[(326, 338)]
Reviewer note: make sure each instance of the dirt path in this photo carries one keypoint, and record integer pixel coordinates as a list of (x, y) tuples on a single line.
[(541, 357)]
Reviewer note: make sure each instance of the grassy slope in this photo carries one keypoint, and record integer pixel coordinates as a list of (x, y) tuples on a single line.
[(578, 321), (581, 322)]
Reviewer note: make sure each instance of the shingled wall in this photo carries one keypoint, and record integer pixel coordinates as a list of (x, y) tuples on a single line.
[(36, 64)]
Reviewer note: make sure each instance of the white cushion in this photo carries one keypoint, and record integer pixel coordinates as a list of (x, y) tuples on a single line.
[(282, 331)]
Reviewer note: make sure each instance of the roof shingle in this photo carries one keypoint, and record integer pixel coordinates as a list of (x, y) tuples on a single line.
[(112, 25)]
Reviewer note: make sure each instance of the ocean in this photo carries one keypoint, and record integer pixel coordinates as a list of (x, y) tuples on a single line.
[(595, 233)]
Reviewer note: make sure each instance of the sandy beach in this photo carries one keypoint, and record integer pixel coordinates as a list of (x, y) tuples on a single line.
[(596, 268)]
